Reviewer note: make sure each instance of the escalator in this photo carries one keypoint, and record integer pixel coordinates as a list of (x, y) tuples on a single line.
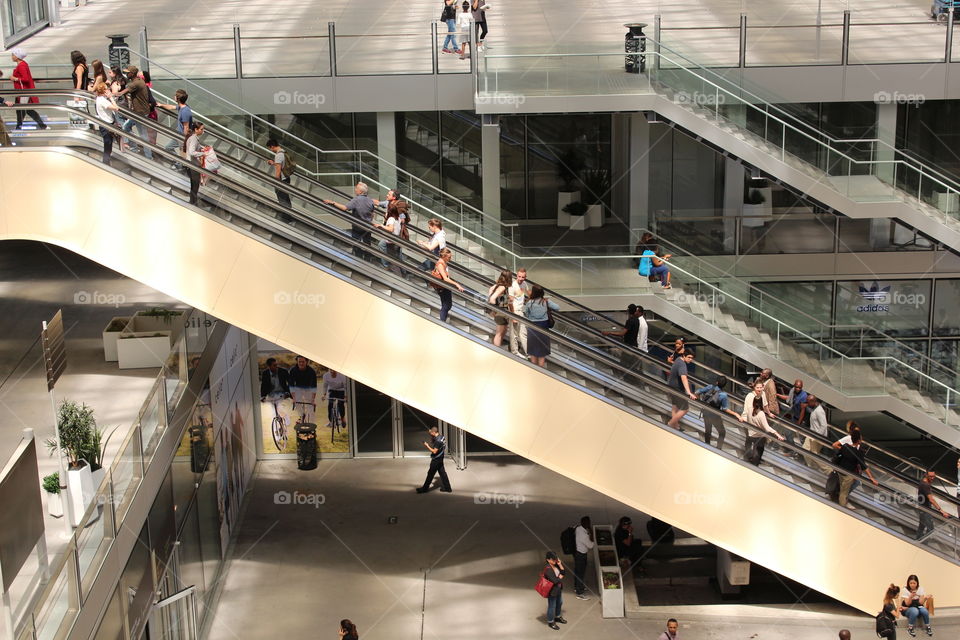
[(595, 414)]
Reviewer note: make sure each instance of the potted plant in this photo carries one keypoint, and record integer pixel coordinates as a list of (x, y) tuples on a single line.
[(146, 340), (51, 485), (596, 183), (93, 453), (569, 165), (576, 212), (74, 424), (757, 205), (110, 335)]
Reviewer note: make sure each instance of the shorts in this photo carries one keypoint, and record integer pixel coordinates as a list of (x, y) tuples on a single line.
[(501, 320), (681, 402)]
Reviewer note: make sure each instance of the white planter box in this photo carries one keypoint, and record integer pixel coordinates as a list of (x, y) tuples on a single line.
[(578, 223), (563, 199), (757, 215), (54, 504), (142, 350), (594, 215), (79, 492), (611, 600), (110, 339)]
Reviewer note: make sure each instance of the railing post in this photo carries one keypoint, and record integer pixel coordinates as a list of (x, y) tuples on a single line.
[(332, 38), (237, 56), (948, 46), (656, 42), (743, 40), (144, 49), (845, 46), (434, 56)]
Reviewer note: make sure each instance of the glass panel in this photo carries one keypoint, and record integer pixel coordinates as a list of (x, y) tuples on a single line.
[(946, 321), (712, 47), (21, 14), (374, 414), (896, 307), (808, 304), (363, 54), (870, 43), (796, 233), (300, 55), (415, 425), (152, 423), (191, 559), (808, 45), (111, 625), (880, 234), (209, 518), (211, 57), (126, 474), (53, 618), (94, 538)]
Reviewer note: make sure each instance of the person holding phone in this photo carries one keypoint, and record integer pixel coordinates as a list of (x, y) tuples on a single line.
[(554, 572), (438, 449)]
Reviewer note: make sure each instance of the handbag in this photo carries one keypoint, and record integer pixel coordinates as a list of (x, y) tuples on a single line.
[(550, 321), (544, 586)]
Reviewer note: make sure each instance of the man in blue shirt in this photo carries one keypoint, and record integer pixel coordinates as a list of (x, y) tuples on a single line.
[(361, 207), (714, 396), (797, 399), (184, 120)]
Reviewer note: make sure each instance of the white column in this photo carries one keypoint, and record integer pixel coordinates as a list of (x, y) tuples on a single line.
[(490, 152), (733, 178), (387, 149), (639, 174), (886, 133)]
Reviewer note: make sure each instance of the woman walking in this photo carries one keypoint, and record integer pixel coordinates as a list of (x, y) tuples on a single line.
[(755, 444), (497, 296), (554, 573), (80, 79), (348, 630), (106, 110), (537, 310), (442, 272), (193, 152), (479, 11), (449, 17)]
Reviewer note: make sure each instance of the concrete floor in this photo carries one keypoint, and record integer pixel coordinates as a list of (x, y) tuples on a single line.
[(450, 568), (37, 280), (194, 38)]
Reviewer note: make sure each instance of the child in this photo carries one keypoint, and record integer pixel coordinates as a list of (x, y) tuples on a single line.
[(464, 24), (210, 162)]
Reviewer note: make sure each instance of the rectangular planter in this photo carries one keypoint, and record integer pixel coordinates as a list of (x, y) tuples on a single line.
[(80, 492), (145, 341), (110, 338), (563, 199), (611, 600)]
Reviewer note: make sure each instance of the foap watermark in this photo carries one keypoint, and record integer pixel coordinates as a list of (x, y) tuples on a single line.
[(299, 298), (711, 299), (297, 98), (898, 499), (896, 97), (685, 497), (501, 100), (700, 98), (99, 298), (514, 499), (299, 498)]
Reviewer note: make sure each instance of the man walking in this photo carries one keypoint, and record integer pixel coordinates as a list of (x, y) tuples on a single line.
[(518, 293), (279, 164), (361, 207), (584, 538), (634, 334), (438, 449), (680, 381), (818, 424), (184, 122), (671, 632), (927, 504), (139, 103)]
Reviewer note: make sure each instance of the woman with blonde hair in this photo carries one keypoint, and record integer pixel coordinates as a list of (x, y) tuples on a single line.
[(887, 618), (106, 108), (442, 272)]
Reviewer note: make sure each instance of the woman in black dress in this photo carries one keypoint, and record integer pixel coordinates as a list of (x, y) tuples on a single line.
[(80, 80)]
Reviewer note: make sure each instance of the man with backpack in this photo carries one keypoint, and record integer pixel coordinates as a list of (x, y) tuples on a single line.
[(851, 457), (283, 166), (714, 396)]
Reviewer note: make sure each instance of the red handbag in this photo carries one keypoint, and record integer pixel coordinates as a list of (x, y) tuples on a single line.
[(544, 586)]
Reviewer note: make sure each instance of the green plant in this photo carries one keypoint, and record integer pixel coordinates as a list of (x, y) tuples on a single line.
[(74, 424), (575, 208), (94, 447), (596, 184), (51, 483), (611, 580), (569, 165), (117, 324), (166, 314), (755, 197)]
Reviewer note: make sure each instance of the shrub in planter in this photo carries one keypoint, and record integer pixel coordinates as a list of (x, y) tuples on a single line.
[(575, 208), (51, 483), (74, 423)]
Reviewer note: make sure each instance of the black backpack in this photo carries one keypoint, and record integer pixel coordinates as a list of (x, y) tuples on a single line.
[(711, 397), (568, 541), (884, 623)]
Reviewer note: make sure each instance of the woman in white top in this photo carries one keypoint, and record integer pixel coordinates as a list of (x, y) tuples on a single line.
[(193, 152), (757, 418), (464, 24), (106, 108), (497, 296), (437, 243), (391, 225)]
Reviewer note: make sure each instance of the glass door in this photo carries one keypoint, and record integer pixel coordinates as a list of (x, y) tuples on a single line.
[(416, 423), (456, 445), (373, 422), (174, 617)]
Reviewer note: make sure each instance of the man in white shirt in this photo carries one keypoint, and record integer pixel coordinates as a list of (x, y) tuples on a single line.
[(819, 425), (584, 535), (517, 294), (671, 632)]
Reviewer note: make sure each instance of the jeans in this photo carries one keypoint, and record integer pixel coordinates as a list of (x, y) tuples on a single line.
[(712, 422), (436, 466), (362, 235), (914, 612), (754, 449), (446, 303), (926, 524), (284, 198), (451, 39), (107, 145), (141, 132), (194, 184), (660, 272), (579, 570), (174, 147), (554, 607)]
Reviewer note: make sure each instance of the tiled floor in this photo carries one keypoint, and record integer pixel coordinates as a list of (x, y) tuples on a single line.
[(452, 567), (394, 37)]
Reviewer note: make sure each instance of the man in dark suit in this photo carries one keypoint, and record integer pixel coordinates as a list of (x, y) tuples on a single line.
[(274, 380)]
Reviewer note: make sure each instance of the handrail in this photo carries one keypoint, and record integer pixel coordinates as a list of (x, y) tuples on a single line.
[(575, 345)]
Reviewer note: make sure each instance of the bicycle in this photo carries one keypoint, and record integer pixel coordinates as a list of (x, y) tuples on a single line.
[(336, 409), (278, 426), (308, 407)]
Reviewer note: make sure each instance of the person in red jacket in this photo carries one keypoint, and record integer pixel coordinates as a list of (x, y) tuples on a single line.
[(23, 79)]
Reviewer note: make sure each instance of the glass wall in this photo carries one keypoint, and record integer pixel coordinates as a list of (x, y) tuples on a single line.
[(21, 18)]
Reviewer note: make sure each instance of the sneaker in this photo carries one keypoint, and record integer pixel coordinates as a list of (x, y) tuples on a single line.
[(911, 631), (582, 596), (554, 626), (421, 490), (929, 631), (442, 490), (445, 50), (560, 620)]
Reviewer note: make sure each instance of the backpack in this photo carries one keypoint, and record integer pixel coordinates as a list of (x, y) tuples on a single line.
[(289, 164), (646, 263), (568, 540), (711, 397), (884, 623), (449, 13)]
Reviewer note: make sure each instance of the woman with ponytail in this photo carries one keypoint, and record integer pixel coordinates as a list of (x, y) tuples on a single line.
[(348, 630)]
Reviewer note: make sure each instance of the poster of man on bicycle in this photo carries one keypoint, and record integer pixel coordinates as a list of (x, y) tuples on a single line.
[(291, 388)]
